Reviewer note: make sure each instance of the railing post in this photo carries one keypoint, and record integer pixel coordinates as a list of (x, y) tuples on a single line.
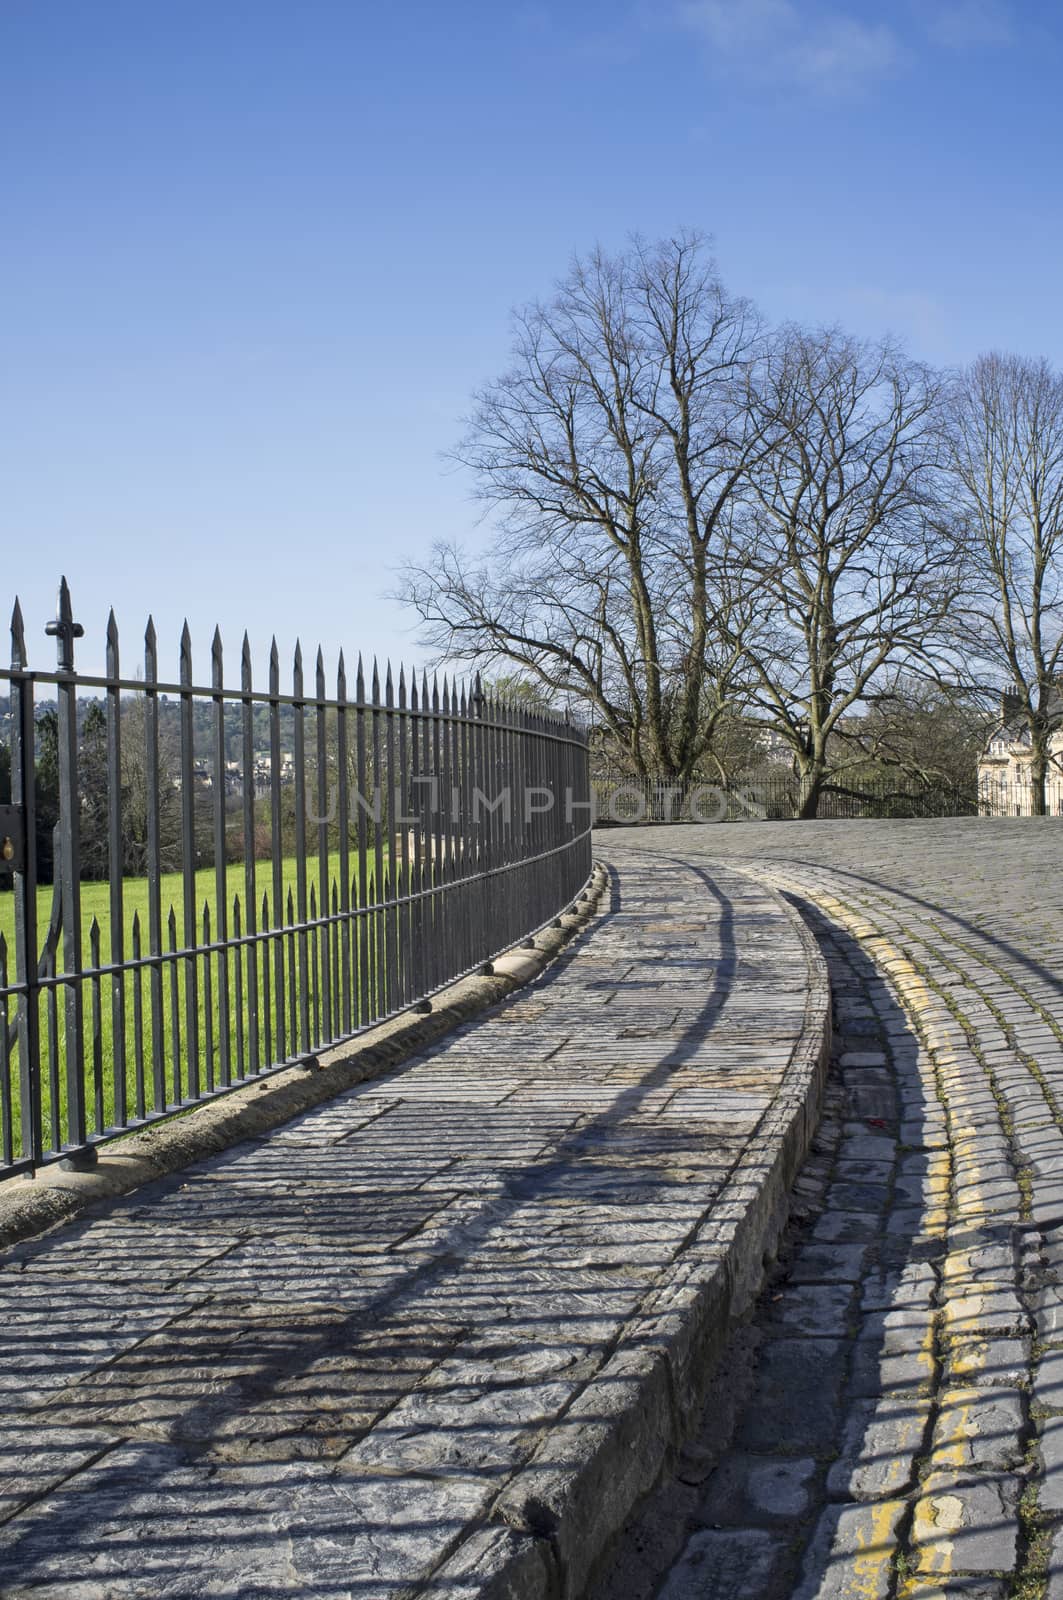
[(65, 630), (23, 794)]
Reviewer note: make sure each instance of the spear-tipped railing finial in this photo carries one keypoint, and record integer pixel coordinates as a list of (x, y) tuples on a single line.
[(64, 630)]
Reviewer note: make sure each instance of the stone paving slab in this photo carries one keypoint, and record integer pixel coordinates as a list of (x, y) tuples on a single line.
[(438, 1335), (934, 1417)]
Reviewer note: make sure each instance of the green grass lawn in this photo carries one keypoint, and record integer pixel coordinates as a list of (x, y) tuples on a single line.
[(198, 1021), (96, 899)]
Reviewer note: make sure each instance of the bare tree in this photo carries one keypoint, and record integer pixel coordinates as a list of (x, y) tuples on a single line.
[(846, 544), (611, 451), (929, 731), (1006, 448)]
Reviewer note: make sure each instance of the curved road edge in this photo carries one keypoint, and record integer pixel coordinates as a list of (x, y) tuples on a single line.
[(558, 1515)]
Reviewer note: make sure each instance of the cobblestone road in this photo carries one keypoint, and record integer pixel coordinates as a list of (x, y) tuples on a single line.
[(902, 1427), (363, 1355)]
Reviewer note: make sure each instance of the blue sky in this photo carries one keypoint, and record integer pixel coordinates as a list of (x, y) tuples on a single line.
[(257, 254)]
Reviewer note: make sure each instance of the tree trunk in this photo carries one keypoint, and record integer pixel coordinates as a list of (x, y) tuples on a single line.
[(1038, 774), (811, 784)]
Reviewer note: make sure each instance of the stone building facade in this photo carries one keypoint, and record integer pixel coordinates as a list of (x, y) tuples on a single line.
[(1004, 765)]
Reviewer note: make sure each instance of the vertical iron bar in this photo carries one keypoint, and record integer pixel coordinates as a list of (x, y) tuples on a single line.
[(401, 786), (276, 834), (267, 997), (239, 1014), (334, 978), (539, 841), (154, 865), (430, 862), (221, 879), (500, 778), (23, 793), (324, 799), (446, 804), (54, 1103), (315, 977), (468, 834), (371, 917), (494, 820), (175, 1010), (391, 918), (362, 927), (189, 863), (96, 1024), (429, 802), (357, 942), (416, 809), (484, 816), (459, 823), (300, 848), (466, 829), (520, 753), (208, 1001), (138, 1018), (513, 832), (379, 919), (293, 1033), (386, 893), (250, 886), (344, 826), (116, 870)]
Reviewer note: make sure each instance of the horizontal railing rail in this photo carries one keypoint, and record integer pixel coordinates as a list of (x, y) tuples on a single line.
[(209, 883)]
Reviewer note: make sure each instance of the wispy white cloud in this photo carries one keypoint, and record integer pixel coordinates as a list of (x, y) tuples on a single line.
[(966, 24), (779, 40)]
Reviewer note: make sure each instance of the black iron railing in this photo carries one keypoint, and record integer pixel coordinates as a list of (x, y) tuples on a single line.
[(242, 877), (1013, 797), (774, 796)]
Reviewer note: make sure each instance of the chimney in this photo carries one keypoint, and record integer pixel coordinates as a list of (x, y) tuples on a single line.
[(1010, 703)]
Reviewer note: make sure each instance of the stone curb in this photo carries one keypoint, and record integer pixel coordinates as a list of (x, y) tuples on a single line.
[(30, 1206), (556, 1517)]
